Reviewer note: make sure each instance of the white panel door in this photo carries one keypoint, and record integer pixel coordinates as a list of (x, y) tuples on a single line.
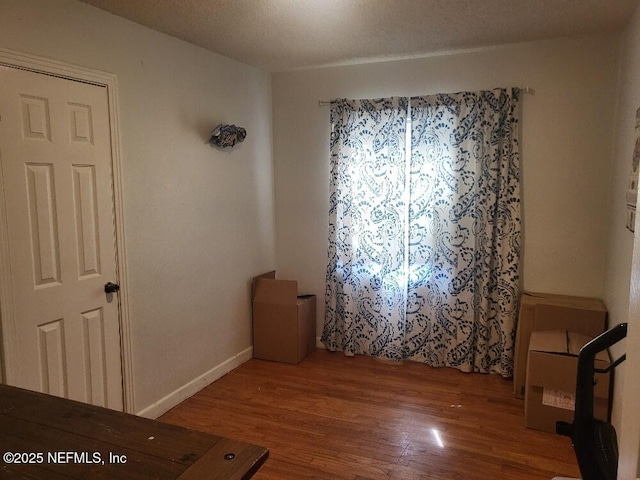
[(55, 154)]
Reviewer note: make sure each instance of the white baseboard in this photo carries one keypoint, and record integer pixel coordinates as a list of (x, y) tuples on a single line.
[(194, 386), (319, 344)]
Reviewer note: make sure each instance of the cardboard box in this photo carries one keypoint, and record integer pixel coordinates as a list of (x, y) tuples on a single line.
[(544, 311), (551, 379), (284, 323)]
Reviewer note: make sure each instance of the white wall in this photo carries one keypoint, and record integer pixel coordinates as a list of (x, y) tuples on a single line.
[(620, 251), (566, 151), (199, 222)]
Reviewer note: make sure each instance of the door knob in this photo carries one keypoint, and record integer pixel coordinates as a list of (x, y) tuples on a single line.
[(110, 287)]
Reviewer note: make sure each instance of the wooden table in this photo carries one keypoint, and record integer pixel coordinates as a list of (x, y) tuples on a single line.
[(63, 439)]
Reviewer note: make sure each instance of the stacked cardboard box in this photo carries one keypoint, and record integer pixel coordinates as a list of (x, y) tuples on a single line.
[(543, 311), (551, 379)]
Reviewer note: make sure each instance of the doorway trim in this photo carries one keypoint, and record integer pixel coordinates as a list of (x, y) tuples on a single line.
[(7, 321)]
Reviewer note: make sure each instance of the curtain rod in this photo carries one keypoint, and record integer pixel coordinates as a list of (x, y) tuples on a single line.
[(324, 103)]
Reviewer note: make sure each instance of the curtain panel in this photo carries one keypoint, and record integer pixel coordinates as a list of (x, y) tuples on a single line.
[(425, 229)]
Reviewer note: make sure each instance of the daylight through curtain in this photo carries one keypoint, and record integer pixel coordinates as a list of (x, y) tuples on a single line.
[(424, 240), (366, 289)]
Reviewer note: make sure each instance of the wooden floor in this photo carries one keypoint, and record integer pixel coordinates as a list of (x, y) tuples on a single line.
[(333, 417)]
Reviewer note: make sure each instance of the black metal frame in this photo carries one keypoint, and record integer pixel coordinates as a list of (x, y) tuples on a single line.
[(594, 441)]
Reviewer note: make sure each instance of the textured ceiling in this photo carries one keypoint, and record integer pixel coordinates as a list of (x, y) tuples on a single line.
[(280, 35)]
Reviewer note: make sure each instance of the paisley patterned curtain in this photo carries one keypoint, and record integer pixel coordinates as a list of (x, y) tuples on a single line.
[(433, 273), (366, 280)]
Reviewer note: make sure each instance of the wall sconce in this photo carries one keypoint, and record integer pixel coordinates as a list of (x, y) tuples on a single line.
[(227, 135)]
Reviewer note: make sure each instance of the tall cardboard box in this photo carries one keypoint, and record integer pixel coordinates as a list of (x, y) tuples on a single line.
[(544, 311), (551, 379), (284, 323)]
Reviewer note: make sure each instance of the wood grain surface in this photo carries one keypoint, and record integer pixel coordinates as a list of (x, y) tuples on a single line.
[(79, 441), (333, 417)]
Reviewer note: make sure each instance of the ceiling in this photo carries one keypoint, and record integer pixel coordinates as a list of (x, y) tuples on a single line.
[(277, 35)]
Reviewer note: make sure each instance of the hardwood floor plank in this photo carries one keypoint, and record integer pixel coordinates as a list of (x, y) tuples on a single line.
[(333, 417)]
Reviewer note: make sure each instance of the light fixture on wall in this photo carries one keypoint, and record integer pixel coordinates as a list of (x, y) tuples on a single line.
[(227, 135)]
